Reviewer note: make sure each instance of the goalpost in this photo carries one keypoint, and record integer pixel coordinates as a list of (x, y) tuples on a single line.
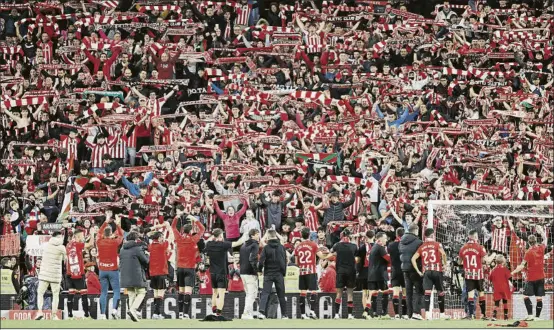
[(453, 219)]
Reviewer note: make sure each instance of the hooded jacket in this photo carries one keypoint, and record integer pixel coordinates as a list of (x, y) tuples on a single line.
[(53, 255), (273, 259), (249, 257), (132, 264), (409, 243)]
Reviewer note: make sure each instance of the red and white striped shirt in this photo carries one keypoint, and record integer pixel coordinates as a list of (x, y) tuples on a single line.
[(169, 136), (306, 253), (131, 140), (47, 50), (368, 247), (314, 42), (99, 150), (70, 146), (361, 229), (243, 13), (353, 209), (499, 240), (472, 254), (156, 106), (310, 218), (431, 258), (210, 218), (119, 149)]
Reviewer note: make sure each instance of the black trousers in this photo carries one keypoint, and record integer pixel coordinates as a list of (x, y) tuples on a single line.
[(279, 282), (413, 297)]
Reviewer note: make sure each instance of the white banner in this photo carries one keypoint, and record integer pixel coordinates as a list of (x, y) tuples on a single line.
[(35, 244)]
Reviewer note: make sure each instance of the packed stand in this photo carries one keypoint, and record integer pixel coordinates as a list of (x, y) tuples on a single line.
[(257, 115)]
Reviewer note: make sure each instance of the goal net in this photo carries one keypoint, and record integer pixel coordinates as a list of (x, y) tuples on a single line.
[(503, 227)]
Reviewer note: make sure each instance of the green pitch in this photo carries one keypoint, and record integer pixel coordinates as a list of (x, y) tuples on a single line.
[(255, 324)]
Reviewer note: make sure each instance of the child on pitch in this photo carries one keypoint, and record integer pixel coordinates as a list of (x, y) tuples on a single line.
[(502, 286)]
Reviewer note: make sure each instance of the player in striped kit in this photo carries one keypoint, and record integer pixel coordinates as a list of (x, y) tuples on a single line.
[(472, 255), (433, 260), (305, 255)]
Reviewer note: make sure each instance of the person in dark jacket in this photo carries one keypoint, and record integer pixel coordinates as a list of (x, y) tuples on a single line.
[(397, 278), (275, 208), (249, 274), (335, 212), (274, 261), (273, 15), (409, 243), (132, 264)]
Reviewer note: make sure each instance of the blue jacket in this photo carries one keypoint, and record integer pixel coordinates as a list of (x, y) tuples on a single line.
[(404, 118), (134, 189)]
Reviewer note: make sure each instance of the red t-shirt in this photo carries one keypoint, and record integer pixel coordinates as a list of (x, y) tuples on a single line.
[(534, 257), (158, 258), (294, 234), (235, 283), (472, 256), (430, 256), (310, 217), (205, 282), (306, 253), (108, 249), (500, 278), (75, 266)]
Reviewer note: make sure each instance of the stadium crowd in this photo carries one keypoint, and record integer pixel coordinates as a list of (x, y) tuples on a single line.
[(149, 121)]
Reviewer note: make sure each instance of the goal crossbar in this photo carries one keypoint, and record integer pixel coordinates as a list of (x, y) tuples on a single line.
[(549, 204)]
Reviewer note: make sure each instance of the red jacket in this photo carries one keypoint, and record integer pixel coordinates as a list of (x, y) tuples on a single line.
[(328, 279), (187, 249), (93, 284), (108, 249)]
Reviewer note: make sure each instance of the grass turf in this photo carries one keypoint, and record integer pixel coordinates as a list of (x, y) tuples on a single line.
[(255, 324)]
